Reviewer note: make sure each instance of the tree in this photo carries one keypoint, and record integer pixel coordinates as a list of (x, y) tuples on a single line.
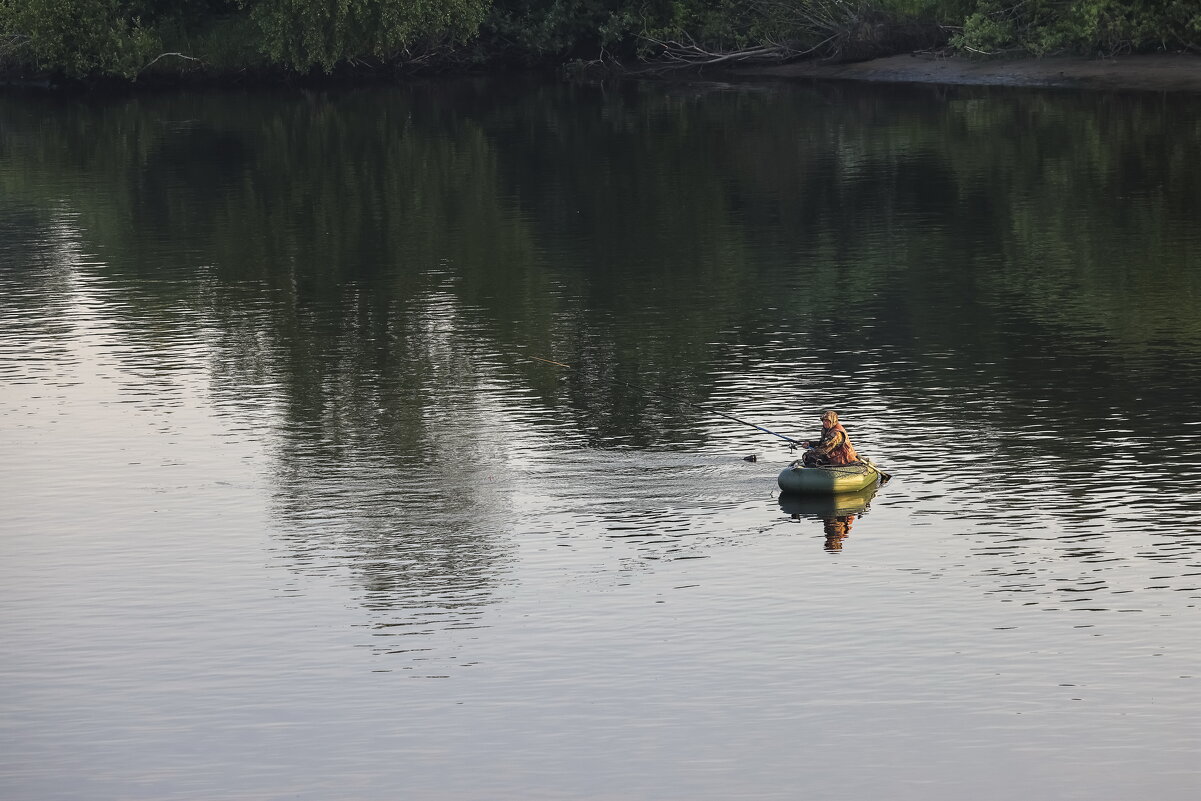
[(306, 34), (76, 37)]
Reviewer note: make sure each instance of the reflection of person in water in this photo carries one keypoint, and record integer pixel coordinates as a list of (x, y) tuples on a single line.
[(837, 529), (837, 513)]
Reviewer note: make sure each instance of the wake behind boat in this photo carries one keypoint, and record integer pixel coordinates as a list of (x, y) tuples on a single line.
[(833, 465)]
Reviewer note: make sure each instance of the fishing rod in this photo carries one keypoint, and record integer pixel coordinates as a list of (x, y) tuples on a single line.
[(794, 443)]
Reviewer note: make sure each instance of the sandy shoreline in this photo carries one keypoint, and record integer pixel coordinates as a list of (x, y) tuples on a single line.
[(1151, 73)]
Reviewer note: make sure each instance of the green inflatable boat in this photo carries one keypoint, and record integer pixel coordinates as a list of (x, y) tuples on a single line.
[(797, 479)]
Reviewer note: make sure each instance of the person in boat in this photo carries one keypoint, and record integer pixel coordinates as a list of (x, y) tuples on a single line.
[(834, 448)]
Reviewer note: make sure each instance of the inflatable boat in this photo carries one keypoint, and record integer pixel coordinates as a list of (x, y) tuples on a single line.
[(796, 479)]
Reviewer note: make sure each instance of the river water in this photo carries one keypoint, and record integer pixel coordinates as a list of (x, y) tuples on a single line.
[(291, 510)]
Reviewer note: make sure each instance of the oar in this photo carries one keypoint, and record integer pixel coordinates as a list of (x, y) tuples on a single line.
[(790, 440)]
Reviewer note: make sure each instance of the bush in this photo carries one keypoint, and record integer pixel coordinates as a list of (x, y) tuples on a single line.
[(307, 34), (76, 37), (1090, 27)]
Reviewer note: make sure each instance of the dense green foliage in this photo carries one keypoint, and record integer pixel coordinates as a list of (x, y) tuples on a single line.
[(302, 34), (1107, 27), (79, 38)]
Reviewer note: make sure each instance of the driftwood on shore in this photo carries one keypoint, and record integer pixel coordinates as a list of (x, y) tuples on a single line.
[(838, 34)]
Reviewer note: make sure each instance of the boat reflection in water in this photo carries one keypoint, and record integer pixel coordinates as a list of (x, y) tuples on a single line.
[(838, 513)]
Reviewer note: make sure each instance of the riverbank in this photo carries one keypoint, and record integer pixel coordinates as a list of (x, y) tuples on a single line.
[(1163, 72), (1152, 73)]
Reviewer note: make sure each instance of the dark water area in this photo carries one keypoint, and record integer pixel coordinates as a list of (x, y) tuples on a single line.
[(293, 511)]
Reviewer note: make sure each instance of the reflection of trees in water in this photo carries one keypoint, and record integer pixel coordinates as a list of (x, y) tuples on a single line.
[(695, 207), (377, 441), (364, 264), (426, 550), (36, 282)]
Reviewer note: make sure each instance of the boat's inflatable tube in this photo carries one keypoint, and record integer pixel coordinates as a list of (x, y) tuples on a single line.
[(797, 479)]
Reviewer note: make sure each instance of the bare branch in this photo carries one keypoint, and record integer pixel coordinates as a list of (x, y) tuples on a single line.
[(165, 55), (12, 42), (676, 55)]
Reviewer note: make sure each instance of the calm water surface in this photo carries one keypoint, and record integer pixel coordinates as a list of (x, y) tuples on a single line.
[(290, 512)]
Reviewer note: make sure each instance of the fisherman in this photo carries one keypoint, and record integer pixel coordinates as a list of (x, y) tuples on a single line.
[(834, 447)]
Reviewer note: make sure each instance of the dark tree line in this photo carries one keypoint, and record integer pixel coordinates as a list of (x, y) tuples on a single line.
[(132, 38)]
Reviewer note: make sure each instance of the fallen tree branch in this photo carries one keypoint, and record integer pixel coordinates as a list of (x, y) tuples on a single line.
[(679, 55), (165, 55)]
